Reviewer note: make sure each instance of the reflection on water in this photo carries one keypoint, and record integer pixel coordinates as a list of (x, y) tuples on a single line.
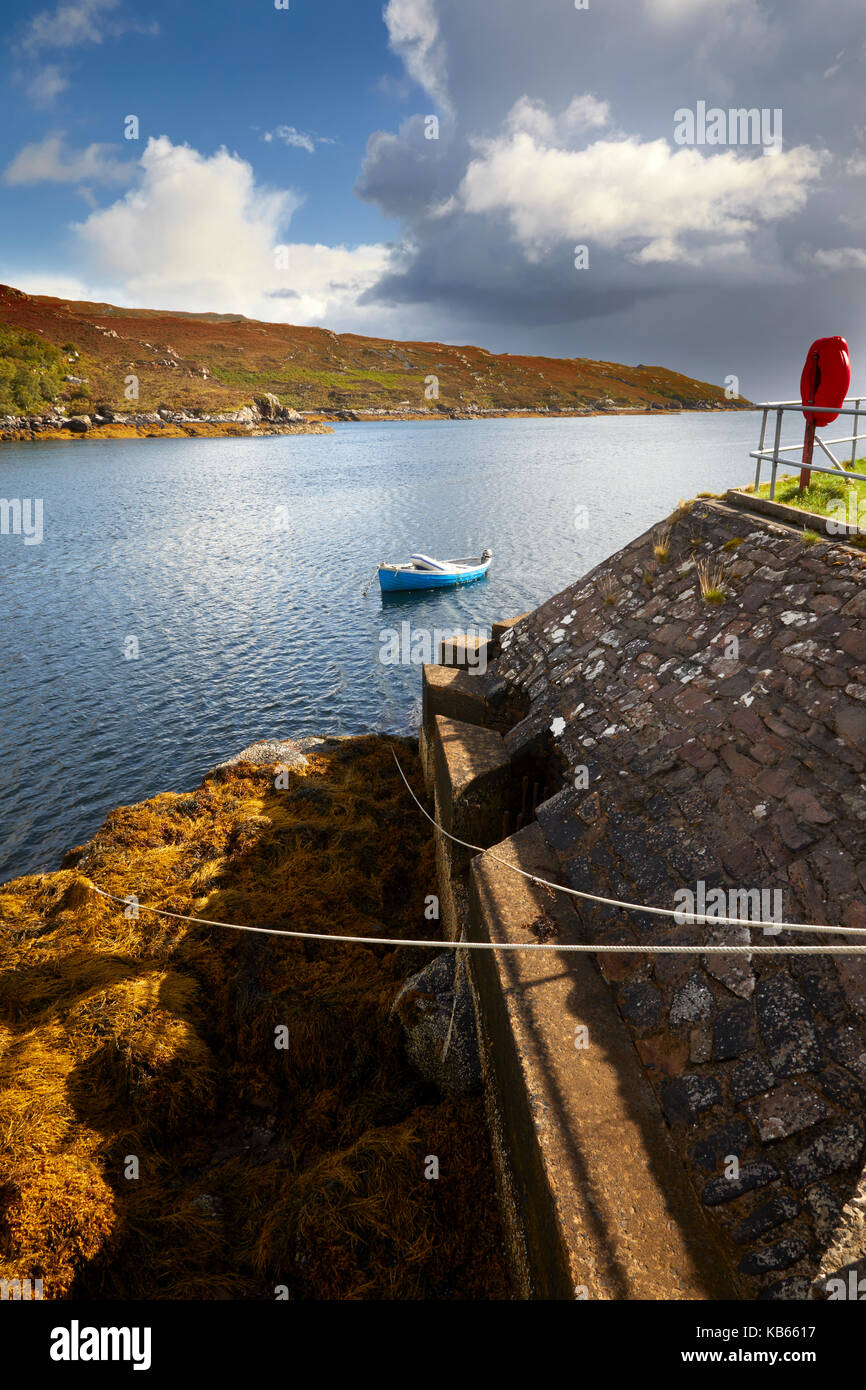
[(239, 566)]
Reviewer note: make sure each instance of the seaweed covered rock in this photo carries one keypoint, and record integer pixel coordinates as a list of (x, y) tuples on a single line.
[(435, 1009), (288, 752), (256, 1086)]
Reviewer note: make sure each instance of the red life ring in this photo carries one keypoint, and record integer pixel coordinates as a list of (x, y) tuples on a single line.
[(825, 379)]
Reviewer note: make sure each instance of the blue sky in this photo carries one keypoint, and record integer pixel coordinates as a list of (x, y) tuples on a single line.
[(222, 73), (284, 169)]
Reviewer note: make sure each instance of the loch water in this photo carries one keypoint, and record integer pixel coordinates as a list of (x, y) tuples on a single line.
[(190, 596)]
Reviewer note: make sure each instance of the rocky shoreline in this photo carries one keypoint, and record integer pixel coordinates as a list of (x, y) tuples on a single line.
[(378, 414), (264, 417), (267, 417)]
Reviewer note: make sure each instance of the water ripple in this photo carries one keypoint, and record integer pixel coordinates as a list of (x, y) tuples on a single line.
[(239, 565)]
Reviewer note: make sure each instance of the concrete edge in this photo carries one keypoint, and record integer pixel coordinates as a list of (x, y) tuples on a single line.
[(597, 1202), (790, 516)]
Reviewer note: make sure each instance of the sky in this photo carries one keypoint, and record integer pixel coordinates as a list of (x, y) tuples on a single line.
[(560, 177)]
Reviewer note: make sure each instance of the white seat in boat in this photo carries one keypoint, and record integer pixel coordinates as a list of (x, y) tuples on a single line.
[(424, 562)]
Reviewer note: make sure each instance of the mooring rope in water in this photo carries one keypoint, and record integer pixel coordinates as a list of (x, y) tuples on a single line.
[(369, 583)]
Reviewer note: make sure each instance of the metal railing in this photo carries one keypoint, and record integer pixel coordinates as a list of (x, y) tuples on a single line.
[(853, 406)]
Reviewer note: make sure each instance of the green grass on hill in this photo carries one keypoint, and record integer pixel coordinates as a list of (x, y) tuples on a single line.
[(353, 378), (31, 371)]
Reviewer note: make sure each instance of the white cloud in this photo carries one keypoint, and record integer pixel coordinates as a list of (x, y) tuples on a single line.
[(199, 234), (841, 258), (48, 161), (624, 190), (413, 34), (717, 40), (719, 14), (47, 85), (394, 88), (298, 139), (584, 113), (535, 119), (56, 286), (67, 26)]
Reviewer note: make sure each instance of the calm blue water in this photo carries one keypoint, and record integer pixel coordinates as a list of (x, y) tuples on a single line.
[(238, 565)]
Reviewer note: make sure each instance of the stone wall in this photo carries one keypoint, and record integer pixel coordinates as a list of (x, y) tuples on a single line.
[(739, 765)]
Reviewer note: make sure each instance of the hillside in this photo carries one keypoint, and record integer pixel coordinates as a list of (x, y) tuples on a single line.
[(220, 362)]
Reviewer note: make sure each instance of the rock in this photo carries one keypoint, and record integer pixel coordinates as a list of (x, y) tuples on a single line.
[(786, 1290), (641, 1004), (288, 752), (692, 1002), (734, 972), (852, 973), (435, 1009), (840, 1087), (268, 406), (787, 1110), (765, 1217), (750, 1078), (850, 724), (846, 1245), (720, 1144), (751, 1175), (689, 1095), (781, 1255), (837, 1149), (824, 1210), (734, 1032), (79, 424), (786, 1026), (247, 415)]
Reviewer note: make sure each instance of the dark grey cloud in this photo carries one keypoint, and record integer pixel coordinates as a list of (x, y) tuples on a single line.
[(731, 261)]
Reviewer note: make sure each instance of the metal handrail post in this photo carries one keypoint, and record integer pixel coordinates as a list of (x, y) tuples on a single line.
[(776, 443), (856, 430), (760, 449)]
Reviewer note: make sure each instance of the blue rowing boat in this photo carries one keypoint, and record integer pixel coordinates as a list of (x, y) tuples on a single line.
[(422, 572)]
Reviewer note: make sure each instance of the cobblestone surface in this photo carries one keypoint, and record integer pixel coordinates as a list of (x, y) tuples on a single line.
[(722, 745)]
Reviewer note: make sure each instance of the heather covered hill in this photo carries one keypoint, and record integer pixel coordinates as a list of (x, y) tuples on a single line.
[(207, 362)]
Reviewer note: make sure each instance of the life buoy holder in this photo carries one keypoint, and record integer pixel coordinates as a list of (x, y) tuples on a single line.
[(825, 379)]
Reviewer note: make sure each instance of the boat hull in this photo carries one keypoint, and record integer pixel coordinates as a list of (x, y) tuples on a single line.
[(394, 580)]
